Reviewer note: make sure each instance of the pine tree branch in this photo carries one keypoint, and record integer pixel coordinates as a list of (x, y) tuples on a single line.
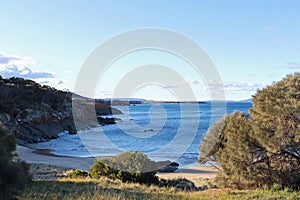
[(214, 166)]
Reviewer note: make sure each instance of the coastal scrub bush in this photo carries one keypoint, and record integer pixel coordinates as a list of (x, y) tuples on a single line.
[(263, 149), (128, 167), (13, 173), (78, 174)]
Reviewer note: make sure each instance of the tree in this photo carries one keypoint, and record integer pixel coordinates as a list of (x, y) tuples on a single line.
[(13, 173), (211, 141), (234, 150), (275, 119), (264, 149)]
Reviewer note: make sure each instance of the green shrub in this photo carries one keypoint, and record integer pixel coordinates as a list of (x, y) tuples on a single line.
[(276, 187), (13, 173), (128, 167), (78, 174)]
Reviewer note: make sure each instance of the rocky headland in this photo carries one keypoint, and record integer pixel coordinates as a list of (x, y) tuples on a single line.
[(38, 113)]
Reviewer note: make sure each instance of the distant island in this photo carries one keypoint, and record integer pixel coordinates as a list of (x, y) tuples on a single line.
[(133, 101)]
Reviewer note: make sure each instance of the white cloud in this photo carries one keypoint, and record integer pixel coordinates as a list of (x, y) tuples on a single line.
[(292, 65), (233, 90), (227, 85), (241, 86), (6, 59), (190, 82), (17, 66)]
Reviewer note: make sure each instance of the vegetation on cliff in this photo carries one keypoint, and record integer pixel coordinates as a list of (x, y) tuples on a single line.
[(37, 113)]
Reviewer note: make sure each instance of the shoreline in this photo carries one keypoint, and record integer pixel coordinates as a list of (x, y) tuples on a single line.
[(193, 173), (44, 156), (48, 152)]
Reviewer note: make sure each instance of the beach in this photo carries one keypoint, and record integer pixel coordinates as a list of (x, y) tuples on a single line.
[(191, 173), (44, 157)]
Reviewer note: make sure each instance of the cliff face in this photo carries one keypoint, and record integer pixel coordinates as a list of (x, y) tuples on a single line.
[(36, 113)]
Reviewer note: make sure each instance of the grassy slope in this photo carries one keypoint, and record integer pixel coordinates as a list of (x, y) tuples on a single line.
[(106, 189)]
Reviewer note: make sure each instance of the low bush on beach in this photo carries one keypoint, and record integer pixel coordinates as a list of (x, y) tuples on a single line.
[(128, 167), (262, 149), (13, 173)]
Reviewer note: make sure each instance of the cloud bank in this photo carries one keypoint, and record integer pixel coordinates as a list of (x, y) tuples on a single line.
[(17, 66), (292, 65), (234, 90)]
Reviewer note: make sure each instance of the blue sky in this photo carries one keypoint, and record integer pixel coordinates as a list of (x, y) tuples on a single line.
[(252, 43)]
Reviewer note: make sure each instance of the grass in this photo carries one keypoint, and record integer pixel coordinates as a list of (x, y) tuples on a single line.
[(115, 190)]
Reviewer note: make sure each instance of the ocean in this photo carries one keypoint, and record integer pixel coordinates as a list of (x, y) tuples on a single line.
[(164, 132)]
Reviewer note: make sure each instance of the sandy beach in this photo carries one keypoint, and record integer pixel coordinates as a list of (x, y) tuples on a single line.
[(191, 173), (43, 157), (30, 156)]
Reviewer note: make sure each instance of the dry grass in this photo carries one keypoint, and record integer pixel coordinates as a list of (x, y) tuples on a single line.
[(66, 188)]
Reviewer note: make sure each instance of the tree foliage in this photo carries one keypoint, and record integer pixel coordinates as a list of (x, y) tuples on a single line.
[(275, 119), (264, 149), (211, 140), (13, 173), (237, 151), (127, 167), (275, 115)]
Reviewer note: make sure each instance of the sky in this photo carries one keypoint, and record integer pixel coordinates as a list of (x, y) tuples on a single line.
[(251, 43)]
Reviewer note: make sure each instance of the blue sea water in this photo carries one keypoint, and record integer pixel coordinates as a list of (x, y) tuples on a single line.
[(163, 132)]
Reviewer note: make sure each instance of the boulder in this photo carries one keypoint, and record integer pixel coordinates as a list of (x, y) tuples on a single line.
[(174, 164), (170, 167), (105, 120)]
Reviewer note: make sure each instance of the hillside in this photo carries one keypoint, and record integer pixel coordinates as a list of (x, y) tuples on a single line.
[(37, 113)]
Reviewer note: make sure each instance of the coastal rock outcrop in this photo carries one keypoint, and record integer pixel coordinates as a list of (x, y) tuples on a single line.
[(167, 166), (37, 113)]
